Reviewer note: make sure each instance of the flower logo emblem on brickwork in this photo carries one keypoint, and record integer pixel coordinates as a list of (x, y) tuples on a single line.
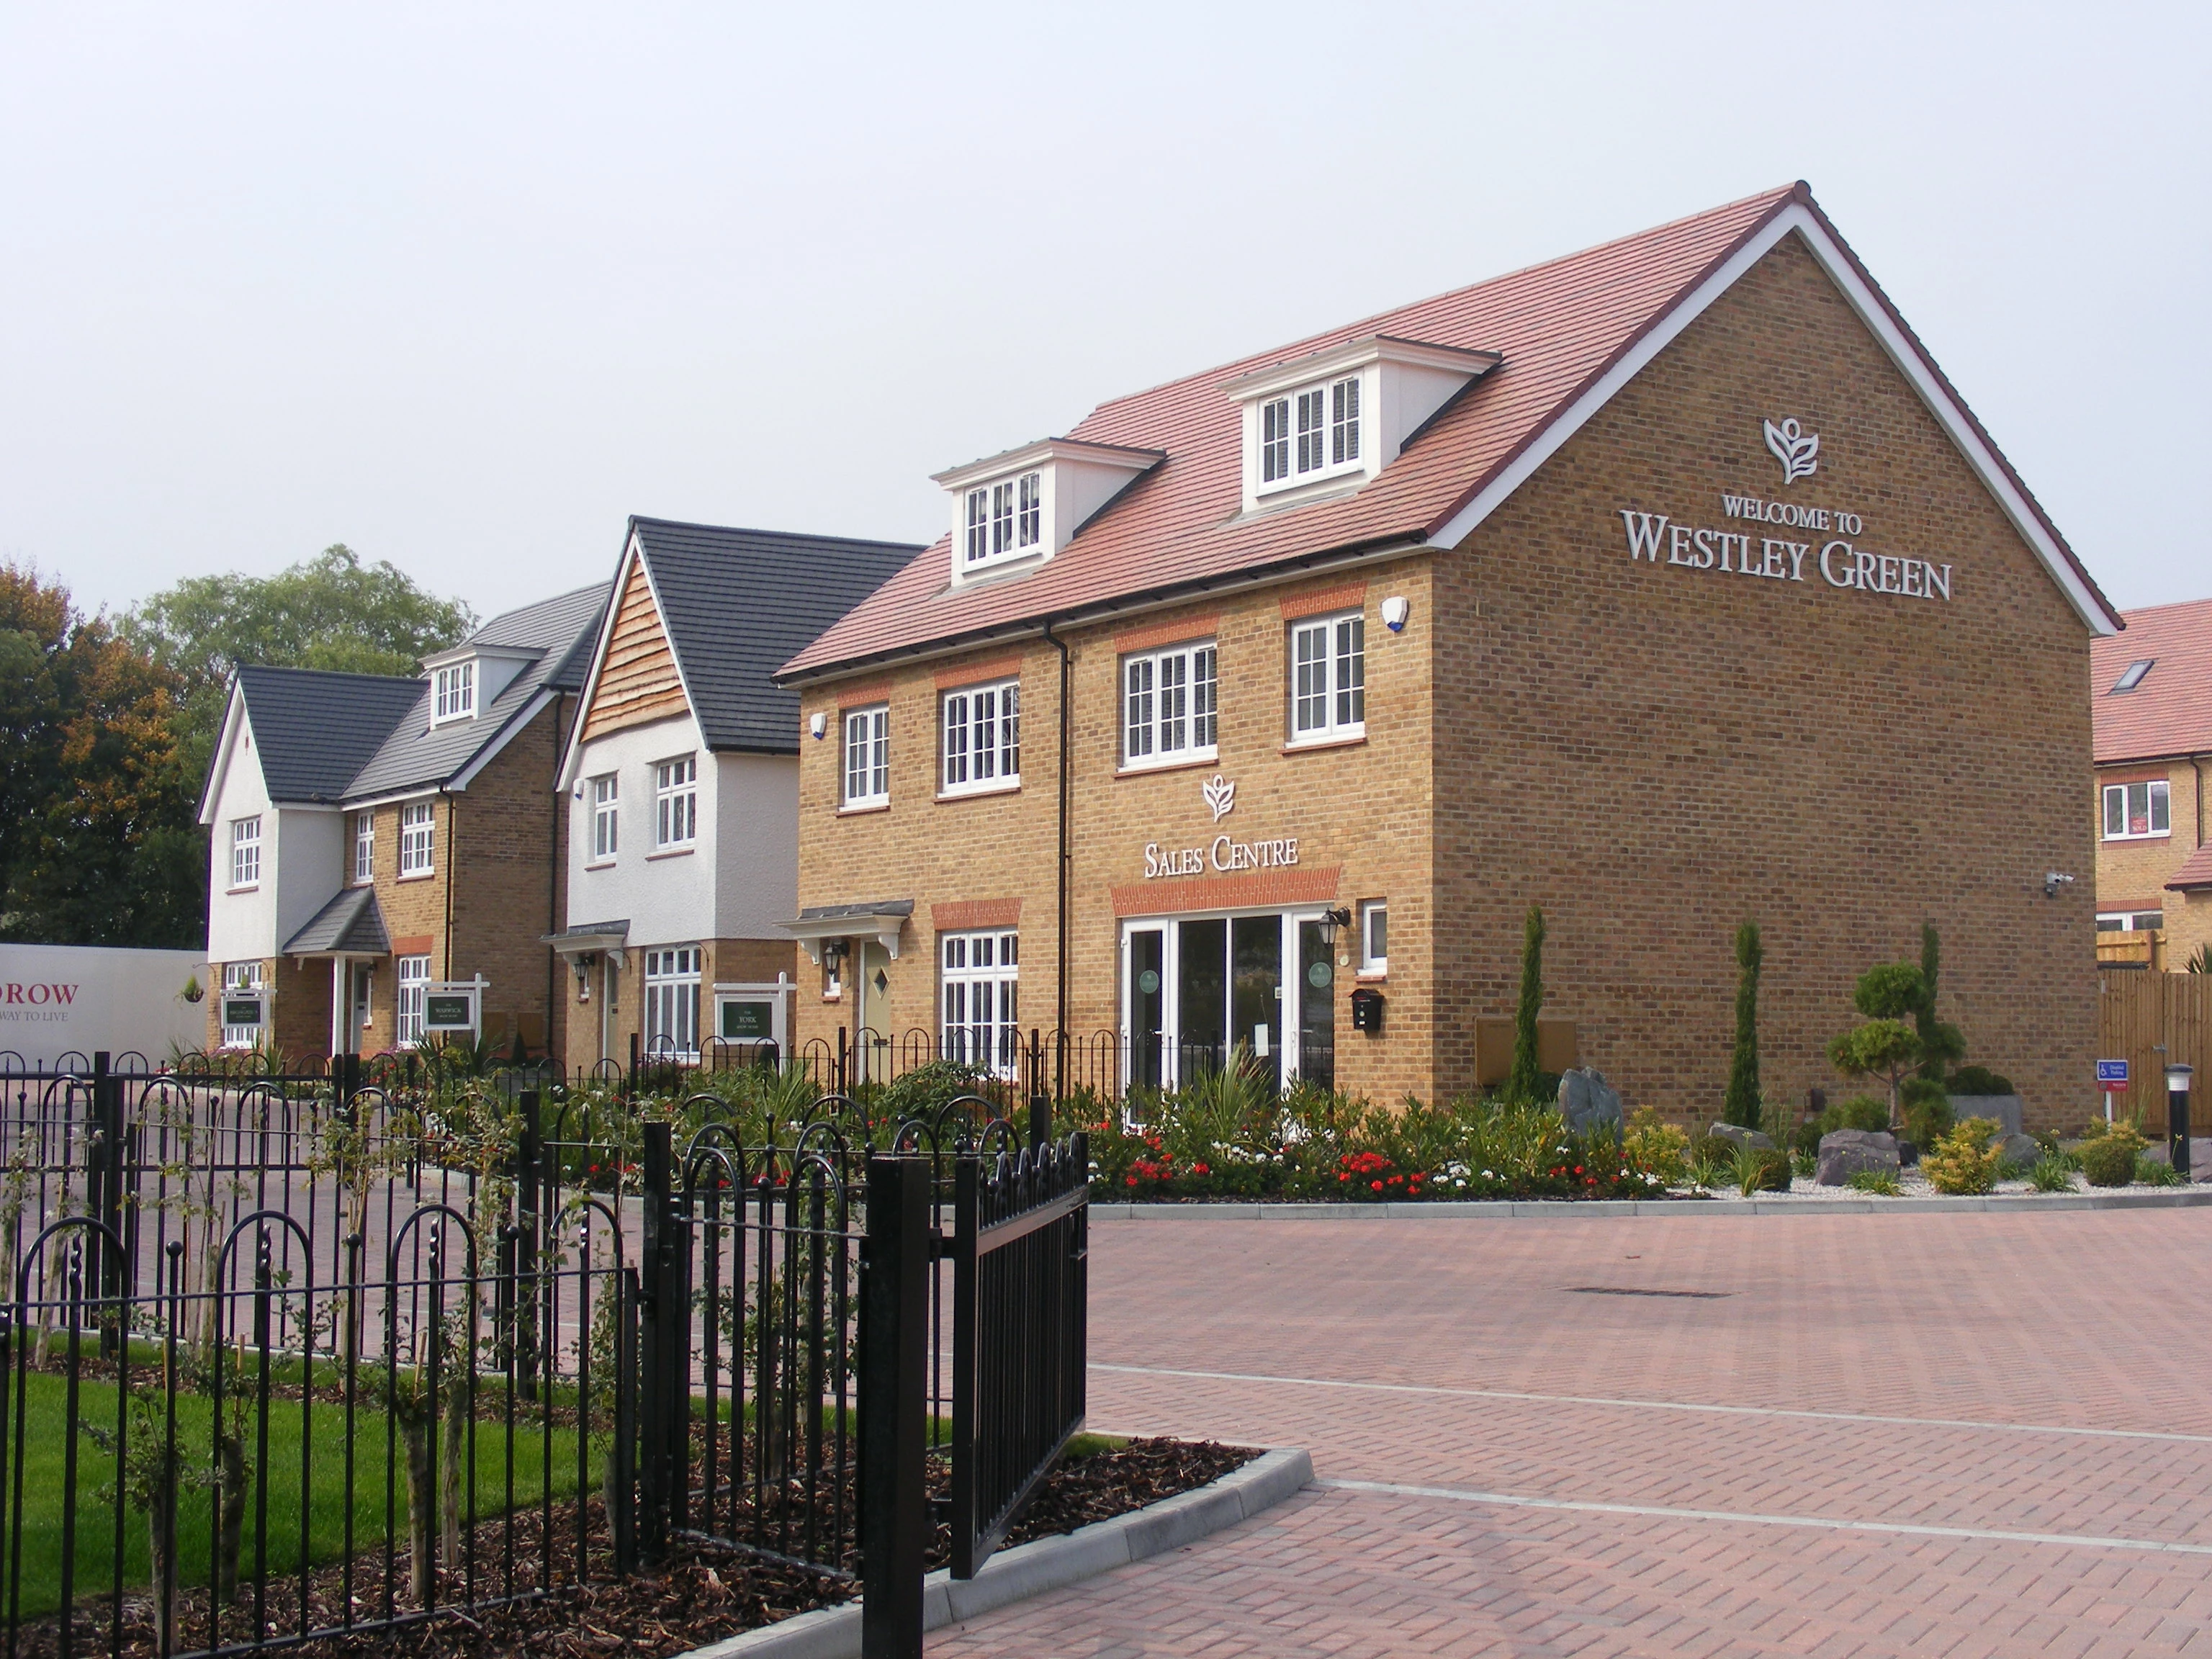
[(1797, 449), (1220, 796)]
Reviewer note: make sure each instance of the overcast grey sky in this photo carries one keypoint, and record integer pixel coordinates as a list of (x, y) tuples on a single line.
[(464, 286)]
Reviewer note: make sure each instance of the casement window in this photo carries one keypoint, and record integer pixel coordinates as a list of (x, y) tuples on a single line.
[(413, 988), (676, 803), (418, 833), (1328, 678), (1004, 520), (2136, 810), (453, 692), (2131, 921), (983, 738), (241, 979), (246, 852), (1169, 703), (1374, 937), (672, 1000), (867, 756), (1310, 434), (607, 817), (364, 849), (981, 980)]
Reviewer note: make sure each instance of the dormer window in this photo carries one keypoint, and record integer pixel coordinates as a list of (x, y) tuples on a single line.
[(1328, 421), (453, 692), (1311, 434), (1005, 520), (1012, 512)]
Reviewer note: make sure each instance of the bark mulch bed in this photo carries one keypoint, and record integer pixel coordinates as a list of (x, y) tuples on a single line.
[(700, 1593)]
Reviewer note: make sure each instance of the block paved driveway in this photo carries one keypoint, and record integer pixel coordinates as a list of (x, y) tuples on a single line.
[(1906, 1434)]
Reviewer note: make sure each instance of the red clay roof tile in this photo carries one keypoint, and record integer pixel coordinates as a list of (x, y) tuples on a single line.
[(2170, 713)]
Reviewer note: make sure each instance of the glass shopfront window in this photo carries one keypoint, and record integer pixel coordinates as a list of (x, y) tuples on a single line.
[(1201, 993)]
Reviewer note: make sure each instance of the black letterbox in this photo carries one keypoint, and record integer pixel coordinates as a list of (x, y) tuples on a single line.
[(1366, 1010)]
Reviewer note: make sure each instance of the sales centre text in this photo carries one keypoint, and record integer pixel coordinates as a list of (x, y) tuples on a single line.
[(1733, 552)]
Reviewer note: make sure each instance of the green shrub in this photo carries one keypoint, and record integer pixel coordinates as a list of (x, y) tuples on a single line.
[(1979, 1080), (1523, 1084), (2157, 1172), (1761, 1169), (1868, 1112), (2052, 1173), (1657, 1146), (2109, 1159), (1710, 1162), (1881, 1183), (1928, 1116), (1964, 1161), (1742, 1103)]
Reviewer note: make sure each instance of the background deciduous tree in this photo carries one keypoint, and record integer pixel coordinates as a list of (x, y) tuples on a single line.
[(98, 840), (332, 611)]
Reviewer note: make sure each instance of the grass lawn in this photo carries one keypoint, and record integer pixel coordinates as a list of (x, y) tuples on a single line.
[(306, 1454)]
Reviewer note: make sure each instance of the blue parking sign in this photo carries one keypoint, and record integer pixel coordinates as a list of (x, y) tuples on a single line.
[(2111, 1075)]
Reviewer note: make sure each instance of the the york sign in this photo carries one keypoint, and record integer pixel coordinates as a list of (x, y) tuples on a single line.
[(1839, 562)]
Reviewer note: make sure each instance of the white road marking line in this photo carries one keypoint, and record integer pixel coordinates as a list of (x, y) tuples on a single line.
[(1660, 1405), (1906, 1528)]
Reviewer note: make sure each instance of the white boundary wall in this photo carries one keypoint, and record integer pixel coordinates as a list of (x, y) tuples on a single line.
[(55, 999)]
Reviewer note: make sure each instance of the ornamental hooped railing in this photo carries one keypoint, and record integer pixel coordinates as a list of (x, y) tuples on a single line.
[(286, 1356)]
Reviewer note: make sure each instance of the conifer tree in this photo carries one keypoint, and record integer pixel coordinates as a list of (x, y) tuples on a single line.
[(1525, 1081), (1742, 1105)]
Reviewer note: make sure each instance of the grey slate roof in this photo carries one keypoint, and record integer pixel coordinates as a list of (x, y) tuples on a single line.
[(413, 755), (739, 604), (352, 922), (315, 731)]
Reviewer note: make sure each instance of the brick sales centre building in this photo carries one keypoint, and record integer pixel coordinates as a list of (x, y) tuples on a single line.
[(1662, 585)]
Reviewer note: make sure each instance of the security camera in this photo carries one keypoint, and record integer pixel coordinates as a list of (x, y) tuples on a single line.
[(2053, 881)]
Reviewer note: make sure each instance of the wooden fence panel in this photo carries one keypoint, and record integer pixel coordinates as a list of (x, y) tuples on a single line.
[(2151, 1019)]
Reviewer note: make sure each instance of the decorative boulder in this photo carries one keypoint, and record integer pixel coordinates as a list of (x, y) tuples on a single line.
[(1736, 1136), (1587, 1101), (2004, 1111), (2019, 1149), (1847, 1152)]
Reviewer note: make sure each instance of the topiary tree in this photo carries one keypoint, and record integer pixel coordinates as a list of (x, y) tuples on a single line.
[(1741, 1106), (1941, 1044), (1890, 994), (1525, 1081)]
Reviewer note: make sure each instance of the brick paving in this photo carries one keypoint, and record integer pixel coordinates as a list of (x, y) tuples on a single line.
[(2030, 1392)]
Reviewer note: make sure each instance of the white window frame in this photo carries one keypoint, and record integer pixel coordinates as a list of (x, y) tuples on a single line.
[(244, 854), (1313, 433), (364, 849), (676, 803), (671, 1001), (1327, 678), (2125, 921), (453, 692), (418, 839), (981, 734), (604, 795), (1003, 519), (866, 741), (979, 998), (1170, 706), (2158, 810), (411, 975), (243, 976), (1374, 918)]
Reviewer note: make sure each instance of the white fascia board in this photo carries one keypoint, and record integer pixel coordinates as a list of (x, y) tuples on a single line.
[(419, 792), (484, 757), (1872, 312), (1356, 354), (631, 551), (1047, 449), (234, 721)]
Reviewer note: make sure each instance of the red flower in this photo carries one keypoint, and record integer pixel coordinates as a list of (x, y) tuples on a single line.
[(1377, 1185), (1199, 1168)]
